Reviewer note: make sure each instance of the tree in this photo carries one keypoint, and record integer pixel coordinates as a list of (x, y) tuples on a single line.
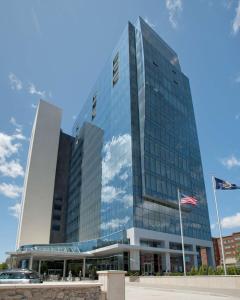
[(3, 266)]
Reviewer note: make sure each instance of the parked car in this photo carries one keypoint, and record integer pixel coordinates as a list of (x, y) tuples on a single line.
[(19, 276)]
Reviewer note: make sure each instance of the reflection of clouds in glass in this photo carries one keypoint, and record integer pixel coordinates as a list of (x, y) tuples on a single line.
[(127, 200), (124, 176), (114, 223), (118, 155), (116, 165), (110, 192)]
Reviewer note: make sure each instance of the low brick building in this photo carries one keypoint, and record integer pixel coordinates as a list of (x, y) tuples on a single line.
[(231, 245)]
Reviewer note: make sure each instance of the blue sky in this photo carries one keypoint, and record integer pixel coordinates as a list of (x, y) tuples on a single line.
[(55, 50)]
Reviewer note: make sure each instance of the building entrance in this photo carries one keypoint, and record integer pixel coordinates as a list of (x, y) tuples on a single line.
[(150, 263), (148, 269)]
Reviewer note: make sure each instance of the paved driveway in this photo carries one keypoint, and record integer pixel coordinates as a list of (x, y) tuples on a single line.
[(141, 291)]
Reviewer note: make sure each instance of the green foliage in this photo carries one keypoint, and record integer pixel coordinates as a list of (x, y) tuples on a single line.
[(232, 271), (194, 271), (175, 274), (133, 273), (211, 271), (219, 271), (238, 254), (203, 270), (3, 266)]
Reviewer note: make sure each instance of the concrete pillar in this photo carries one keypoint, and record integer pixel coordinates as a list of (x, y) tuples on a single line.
[(210, 256), (134, 260), (39, 267), (30, 263), (166, 264), (84, 268), (113, 284), (195, 261), (195, 257), (64, 268)]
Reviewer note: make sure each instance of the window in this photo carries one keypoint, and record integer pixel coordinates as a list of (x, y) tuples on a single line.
[(56, 227), (115, 69), (57, 207), (57, 217), (58, 199)]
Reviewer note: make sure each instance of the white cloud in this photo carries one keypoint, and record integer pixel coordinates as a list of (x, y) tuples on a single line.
[(228, 4), (237, 79), (15, 210), (118, 156), (9, 146), (236, 21), (36, 22), (34, 91), (11, 169), (10, 190), (230, 162), (115, 223), (149, 23), (231, 221), (14, 123), (34, 106), (174, 8), (16, 84)]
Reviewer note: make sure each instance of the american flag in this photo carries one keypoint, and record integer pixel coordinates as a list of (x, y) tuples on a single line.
[(188, 200)]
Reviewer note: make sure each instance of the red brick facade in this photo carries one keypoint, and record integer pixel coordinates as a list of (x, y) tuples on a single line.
[(231, 245)]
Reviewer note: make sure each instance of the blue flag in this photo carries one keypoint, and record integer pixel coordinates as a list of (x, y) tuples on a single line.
[(224, 185)]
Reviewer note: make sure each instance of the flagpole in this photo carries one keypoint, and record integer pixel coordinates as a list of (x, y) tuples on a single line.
[(219, 226), (181, 228)]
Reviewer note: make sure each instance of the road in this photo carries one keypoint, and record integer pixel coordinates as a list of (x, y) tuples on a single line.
[(141, 291)]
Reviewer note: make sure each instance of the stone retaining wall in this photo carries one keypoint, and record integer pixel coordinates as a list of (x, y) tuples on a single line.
[(51, 291)]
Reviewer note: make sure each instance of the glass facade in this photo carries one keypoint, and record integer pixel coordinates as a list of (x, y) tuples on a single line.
[(101, 202), (170, 154), (135, 144)]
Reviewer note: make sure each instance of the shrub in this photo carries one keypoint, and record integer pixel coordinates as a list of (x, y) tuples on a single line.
[(194, 271), (203, 270), (133, 273), (3, 266), (211, 271), (219, 271), (175, 274), (232, 271)]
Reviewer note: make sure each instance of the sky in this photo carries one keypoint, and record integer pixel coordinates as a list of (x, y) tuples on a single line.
[(55, 50)]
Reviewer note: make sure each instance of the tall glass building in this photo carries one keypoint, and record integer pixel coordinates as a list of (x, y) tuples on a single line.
[(133, 145)]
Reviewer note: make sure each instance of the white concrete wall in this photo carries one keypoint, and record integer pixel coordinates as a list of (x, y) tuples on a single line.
[(136, 234), (35, 219), (216, 282)]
